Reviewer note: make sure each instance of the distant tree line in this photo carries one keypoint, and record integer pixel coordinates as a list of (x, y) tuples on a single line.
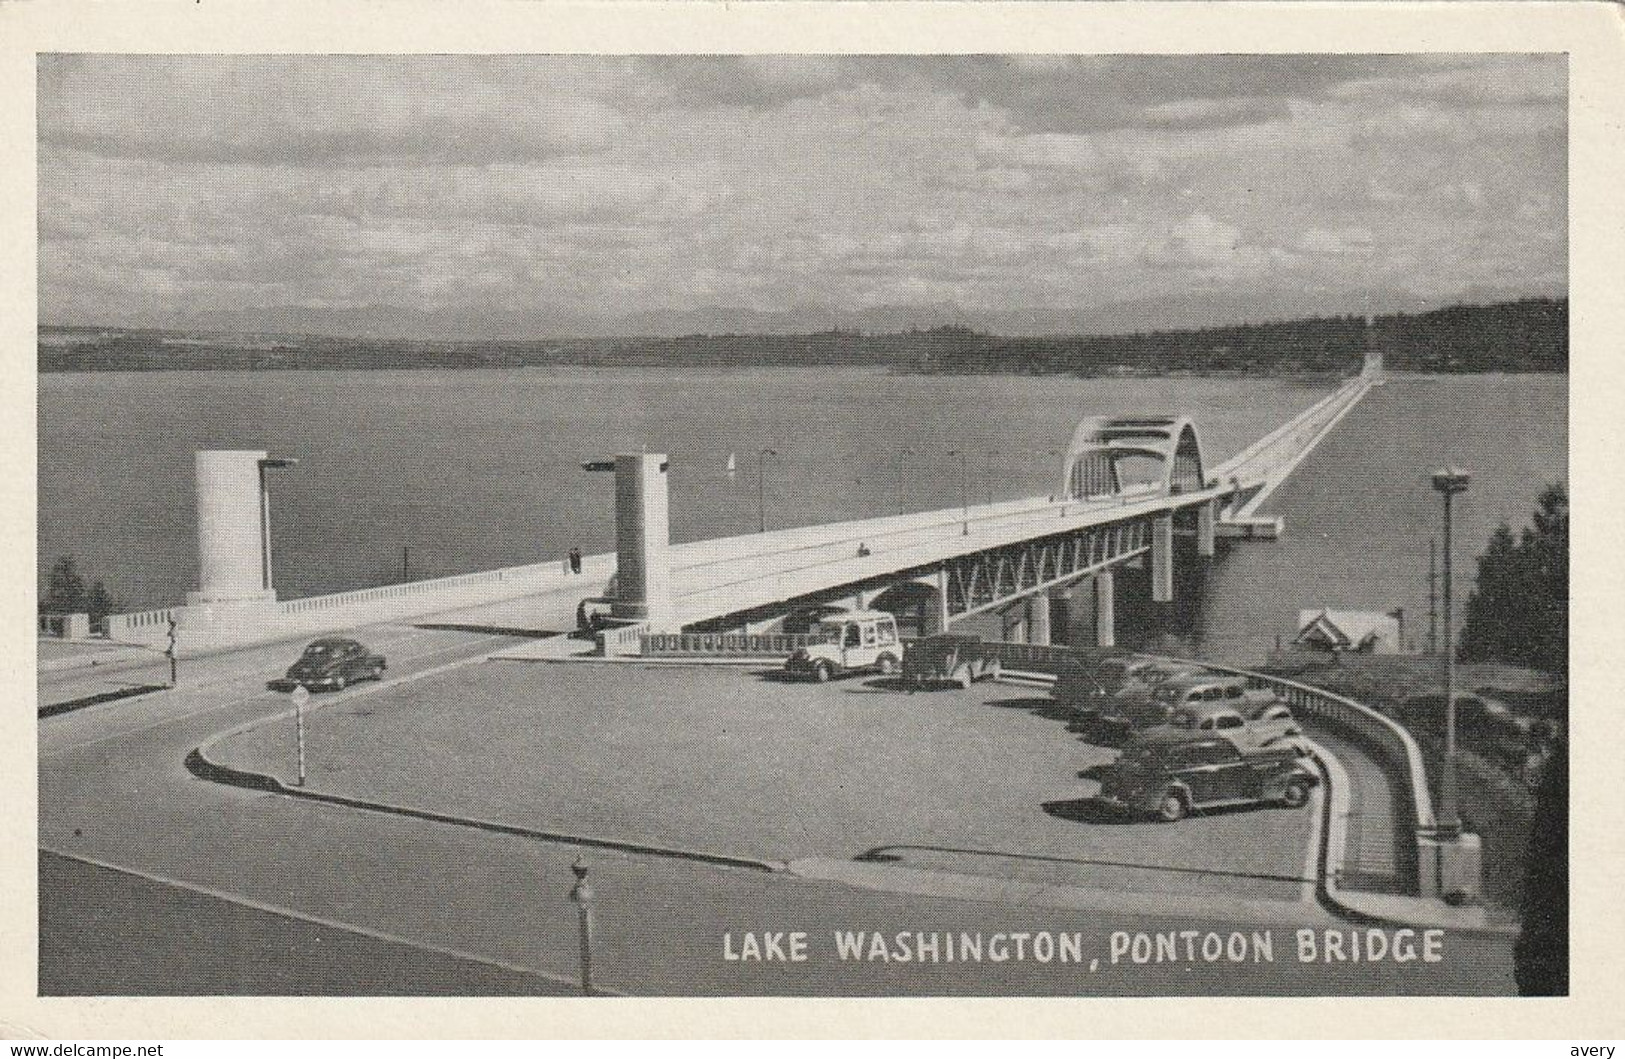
[(1519, 608), (1522, 336)]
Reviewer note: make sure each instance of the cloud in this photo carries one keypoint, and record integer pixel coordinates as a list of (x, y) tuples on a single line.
[(581, 183), (303, 111)]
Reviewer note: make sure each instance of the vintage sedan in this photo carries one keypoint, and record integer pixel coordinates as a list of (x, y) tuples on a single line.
[(332, 664), (948, 659), (1250, 728), (1170, 773)]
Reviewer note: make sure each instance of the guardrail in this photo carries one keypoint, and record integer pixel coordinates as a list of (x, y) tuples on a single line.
[(432, 586), (619, 640), (1038, 658), (1389, 738), (142, 626), (723, 644)]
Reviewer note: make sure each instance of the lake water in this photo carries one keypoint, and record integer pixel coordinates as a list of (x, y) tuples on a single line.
[(471, 470)]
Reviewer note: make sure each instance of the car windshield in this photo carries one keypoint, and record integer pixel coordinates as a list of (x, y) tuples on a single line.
[(316, 650), (831, 630)]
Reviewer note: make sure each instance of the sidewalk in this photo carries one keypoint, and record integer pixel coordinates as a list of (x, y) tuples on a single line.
[(55, 656)]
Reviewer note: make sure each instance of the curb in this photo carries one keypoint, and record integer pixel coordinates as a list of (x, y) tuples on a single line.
[(930, 882), (201, 767), (99, 697)]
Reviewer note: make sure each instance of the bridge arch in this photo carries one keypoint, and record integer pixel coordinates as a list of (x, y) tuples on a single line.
[(1101, 444)]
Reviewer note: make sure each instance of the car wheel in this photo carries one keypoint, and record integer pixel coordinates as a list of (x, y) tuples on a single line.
[(887, 665), (823, 673), (1172, 808), (1296, 795), (377, 671), (964, 678), (339, 682), (992, 672)]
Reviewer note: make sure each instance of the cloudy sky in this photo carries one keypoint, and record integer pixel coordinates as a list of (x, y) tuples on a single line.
[(574, 193)]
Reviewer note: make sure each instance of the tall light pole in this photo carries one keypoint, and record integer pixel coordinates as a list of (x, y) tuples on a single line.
[(902, 479), (761, 488), (964, 492), (1448, 482), (269, 463)]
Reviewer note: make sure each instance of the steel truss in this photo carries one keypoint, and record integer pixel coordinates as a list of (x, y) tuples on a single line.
[(993, 578)]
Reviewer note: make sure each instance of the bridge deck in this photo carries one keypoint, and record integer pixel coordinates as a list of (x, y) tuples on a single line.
[(717, 577)]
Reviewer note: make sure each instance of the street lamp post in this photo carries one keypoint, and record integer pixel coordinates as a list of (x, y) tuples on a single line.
[(964, 493), (269, 463), (1449, 482), (761, 488), (581, 895), (902, 478)]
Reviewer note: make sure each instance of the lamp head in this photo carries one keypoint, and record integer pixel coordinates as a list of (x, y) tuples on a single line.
[(1451, 480)]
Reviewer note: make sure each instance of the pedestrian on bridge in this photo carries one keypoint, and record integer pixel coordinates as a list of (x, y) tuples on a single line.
[(575, 560)]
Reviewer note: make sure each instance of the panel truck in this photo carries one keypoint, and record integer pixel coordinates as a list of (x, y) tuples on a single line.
[(847, 642)]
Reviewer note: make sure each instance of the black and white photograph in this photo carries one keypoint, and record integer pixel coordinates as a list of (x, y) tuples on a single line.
[(958, 524)]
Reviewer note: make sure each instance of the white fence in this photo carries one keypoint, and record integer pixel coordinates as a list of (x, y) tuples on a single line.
[(147, 626)]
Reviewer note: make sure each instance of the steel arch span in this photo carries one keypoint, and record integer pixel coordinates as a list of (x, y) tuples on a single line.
[(1100, 443)]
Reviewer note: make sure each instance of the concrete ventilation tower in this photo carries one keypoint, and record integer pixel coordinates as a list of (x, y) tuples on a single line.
[(235, 595), (642, 542), (233, 565)]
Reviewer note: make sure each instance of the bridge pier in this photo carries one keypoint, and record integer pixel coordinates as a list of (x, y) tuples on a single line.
[(1105, 607), (1207, 518), (1162, 559), (1038, 623)]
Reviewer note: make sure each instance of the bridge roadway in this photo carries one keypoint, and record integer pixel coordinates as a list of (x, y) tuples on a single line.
[(114, 793)]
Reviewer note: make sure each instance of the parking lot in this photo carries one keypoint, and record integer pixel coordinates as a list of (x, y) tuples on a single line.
[(742, 762)]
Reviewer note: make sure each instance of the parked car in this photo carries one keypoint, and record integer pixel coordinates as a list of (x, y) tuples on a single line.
[(1202, 689), (1083, 685), (332, 663), (1171, 773), (1263, 725), (847, 642), (1274, 723), (947, 658), (1134, 704)]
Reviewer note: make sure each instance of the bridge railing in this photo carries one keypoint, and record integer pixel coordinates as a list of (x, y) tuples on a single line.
[(1035, 658), (724, 644), (1278, 451), (1392, 743), (147, 626)]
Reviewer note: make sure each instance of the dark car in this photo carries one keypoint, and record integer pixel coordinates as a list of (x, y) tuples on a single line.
[(947, 659), (332, 662), (1168, 773)]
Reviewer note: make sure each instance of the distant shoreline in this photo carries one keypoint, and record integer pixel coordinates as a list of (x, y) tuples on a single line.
[(1522, 337)]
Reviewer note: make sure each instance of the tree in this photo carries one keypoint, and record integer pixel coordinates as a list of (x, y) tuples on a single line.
[(98, 604), (1518, 611), (65, 591)]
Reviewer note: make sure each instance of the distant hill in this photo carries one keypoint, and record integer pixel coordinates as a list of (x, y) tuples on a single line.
[(1526, 335)]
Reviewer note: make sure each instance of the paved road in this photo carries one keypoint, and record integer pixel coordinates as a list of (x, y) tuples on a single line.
[(114, 790), (108, 932)]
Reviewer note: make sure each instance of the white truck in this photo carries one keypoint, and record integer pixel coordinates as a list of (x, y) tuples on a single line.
[(854, 641)]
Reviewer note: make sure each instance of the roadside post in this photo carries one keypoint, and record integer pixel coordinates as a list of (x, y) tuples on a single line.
[(581, 894), (300, 696), (170, 651)]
